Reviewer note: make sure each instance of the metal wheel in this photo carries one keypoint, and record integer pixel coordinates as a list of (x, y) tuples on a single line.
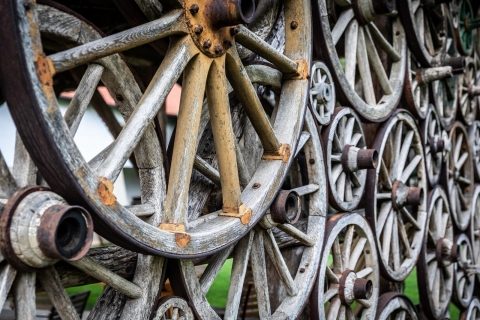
[(464, 282), (204, 51), (458, 176), (322, 93), (475, 225), (348, 279), (437, 145), (347, 32), (436, 261), (467, 93), (396, 208), (426, 25), (173, 308), (346, 158), (277, 230), (474, 137), (473, 311), (393, 305)]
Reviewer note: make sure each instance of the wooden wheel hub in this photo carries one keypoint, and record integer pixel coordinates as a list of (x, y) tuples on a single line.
[(353, 288), (354, 159), (212, 24), (367, 10), (445, 253), (403, 195)]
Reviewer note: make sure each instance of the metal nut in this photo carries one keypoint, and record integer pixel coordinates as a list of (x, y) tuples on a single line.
[(207, 43), (234, 31), (194, 8), (294, 25), (218, 49), (198, 29)]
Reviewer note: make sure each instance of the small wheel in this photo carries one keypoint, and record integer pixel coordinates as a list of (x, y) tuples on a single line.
[(437, 145), (458, 176), (346, 159), (393, 305), (474, 137), (347, 34), (435, 264), (322, 93), (475, 225), (467, 99), (203, 49), (348, 279), (173, 308), (463, 27), (464, 283), (277, 230), (396, 192), (473, 311), (416, 92)]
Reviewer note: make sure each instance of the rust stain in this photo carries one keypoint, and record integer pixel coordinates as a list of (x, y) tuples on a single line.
[(182, 239), (302, 71), (241, 212), (172, 227), (283, 153), (105, 192), (45, 70)]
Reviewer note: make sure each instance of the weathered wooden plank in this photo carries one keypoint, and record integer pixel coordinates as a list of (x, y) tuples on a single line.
[(24, 296)]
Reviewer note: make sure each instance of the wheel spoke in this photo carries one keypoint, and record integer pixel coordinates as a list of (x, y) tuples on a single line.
[(331, 276), (239, 269), (333, 309), (331, 292), (364, 69), (154, 97), (50, 281), (410, 168), (403, 155), (347, 245), (458, 147), (459, 164), (384, 213), (420, 25), (186, 135), (83, 95), (24, 296), (259, 269), (396, 254), (404, 238), (342, 23), (385, 174), (297, 234), (214, 266), (207, 170), (251, 41), (351, 38), (170, 24), (7, 182), (410, 218), (387, 238), (7, 276), (247, 95), (279, 263), (356, 253), (364, 272), (376, 63), (383, 43)]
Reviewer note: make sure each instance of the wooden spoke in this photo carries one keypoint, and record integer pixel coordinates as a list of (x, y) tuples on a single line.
[(207, 170), (301, 142), (7, 276), (396, 306), (213, 268), (265, 75), (297, 234), (407, 172), (383, 43), (147, 108), (341, 25), (247, 95), (259, 275), (364, 69), (7, 183), (401, 160), (251, 41), (351, 37), (170, 24), (183, 157), (376, 63), (24, 296)]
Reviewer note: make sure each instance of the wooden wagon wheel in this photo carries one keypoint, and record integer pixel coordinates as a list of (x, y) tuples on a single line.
[(202, 47), (173, 308), (475, 225), (322, 93), (437, 145), (416, 90), (465, 25), (473, 311), (348, 278), (395, 206), (280, 222), (435, 264), (347, 32), (346, 159), (395, 306), (426, 26), (458, 176), (464, 283), (474, 137), (468, 93)]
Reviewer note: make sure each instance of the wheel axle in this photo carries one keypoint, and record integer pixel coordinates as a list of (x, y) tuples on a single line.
[(286, 207), (354, 159), (403, 195), (425, 76)]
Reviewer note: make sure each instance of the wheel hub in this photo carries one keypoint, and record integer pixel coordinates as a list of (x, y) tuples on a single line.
[(367, 10), (353, 288), (403, 195), (212, 24), (445, 254)]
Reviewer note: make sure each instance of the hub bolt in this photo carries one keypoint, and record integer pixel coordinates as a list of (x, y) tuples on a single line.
[(218, 49), (198, 29), (194, 8), (207, 43), (234, 31)]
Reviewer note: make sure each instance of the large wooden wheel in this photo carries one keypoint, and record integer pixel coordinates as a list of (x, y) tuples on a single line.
[(395, 206), (459, 175), (474, 137), (467, 93), (437, 145), (287, 224), (322, 93), (465, 25), (347, 32), (473, 311), (436, 262), (347, 159), (475, 226), (464, 283), (347, 285), (203, 49), (416, 92), (426, 25), (396, 306)]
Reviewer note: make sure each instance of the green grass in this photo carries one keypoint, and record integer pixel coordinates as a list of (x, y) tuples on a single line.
[(217, 295), (95, 291)]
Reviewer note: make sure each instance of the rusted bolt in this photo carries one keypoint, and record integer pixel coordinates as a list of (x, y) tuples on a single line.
[(362, 289), (198, 29), (415, 196), (286, 207), (227, 43), (26, 5), (354, 159), (119, 97), (294, 25), (207, 43), (234, 31), (302, 270), (256, 185), (218, 49), (436, 144), (311, 161), (194, 8), (367, 251), (232, 12)]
